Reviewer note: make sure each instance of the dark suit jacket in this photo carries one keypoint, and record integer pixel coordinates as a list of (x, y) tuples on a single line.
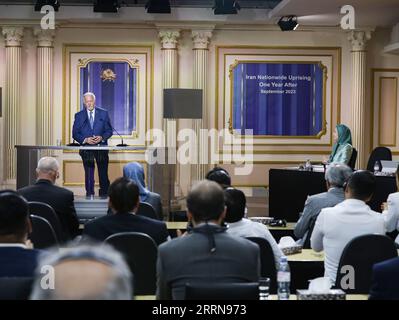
[(189, 259), (18, 262), (60, 199), (101, 127), (385, 283), (101, 228)]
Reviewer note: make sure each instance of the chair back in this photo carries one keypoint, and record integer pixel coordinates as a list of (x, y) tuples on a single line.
[(267, 261), (352, 160), (18, 288), (47, 212), (147, 210), (140, 252), (222, 291), (43, 235), (362, 253), (378, 154)]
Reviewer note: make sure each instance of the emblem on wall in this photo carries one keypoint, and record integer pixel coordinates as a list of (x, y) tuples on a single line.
[(108, 75)]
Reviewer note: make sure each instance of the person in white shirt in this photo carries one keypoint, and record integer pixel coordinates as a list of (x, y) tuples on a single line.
[(335, 227), (391, 210), (242, 227)]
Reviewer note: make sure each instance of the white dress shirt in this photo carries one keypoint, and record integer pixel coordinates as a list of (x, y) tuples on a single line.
[(391, 216), (338, 225), (247, 228)]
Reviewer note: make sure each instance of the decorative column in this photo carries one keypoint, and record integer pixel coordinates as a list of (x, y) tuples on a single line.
[(358, 40), (201, 39), (44, 93), (169, 40), (13, 38)]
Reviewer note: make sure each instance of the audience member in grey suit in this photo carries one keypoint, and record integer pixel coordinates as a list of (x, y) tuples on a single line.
[(207, 253), (336, 175)]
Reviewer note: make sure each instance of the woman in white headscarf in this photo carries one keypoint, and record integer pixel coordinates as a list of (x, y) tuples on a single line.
[(135, 172)]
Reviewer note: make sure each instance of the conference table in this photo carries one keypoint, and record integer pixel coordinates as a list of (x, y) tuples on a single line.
[(277, 232), (289, 188), (173, 226), (305, 266)]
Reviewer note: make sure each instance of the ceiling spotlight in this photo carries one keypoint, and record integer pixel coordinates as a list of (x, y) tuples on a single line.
[(106, 6), (288, 23), (158, 6), (226, 7), (40, 3)]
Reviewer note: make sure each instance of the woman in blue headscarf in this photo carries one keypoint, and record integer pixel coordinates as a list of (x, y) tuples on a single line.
[(342, 148), (135, 172)]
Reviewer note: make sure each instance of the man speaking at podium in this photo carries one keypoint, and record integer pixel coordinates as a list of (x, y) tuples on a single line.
[(92, 127)]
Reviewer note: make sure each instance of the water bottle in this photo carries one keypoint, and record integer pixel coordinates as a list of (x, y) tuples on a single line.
[(376, 167), (283, 279)]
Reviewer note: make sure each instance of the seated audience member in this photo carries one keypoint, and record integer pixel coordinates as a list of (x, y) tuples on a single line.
[(385, 283), (207, 253), (391, 210), (242, 227), (16, 258), (338, 225), (85, 273), (60, 199), (124, 201), (220, 176), (135, 172), (342, 148), (336, 175)]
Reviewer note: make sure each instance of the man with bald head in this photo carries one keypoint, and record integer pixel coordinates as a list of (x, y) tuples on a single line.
[(60, 199), (85, 273), (207, 254)]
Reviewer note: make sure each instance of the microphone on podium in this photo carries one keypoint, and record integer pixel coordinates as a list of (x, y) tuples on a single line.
[(122, 144)]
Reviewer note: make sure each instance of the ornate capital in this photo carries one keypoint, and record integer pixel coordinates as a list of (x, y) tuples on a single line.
[(44, 38), (358, 39), (201, 38), (169, 38), (13, 36)]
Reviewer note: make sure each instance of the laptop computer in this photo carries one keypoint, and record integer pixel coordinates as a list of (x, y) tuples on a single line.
[(389, 166)]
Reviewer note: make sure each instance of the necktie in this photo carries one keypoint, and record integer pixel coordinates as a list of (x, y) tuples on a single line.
[(91, 119)]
